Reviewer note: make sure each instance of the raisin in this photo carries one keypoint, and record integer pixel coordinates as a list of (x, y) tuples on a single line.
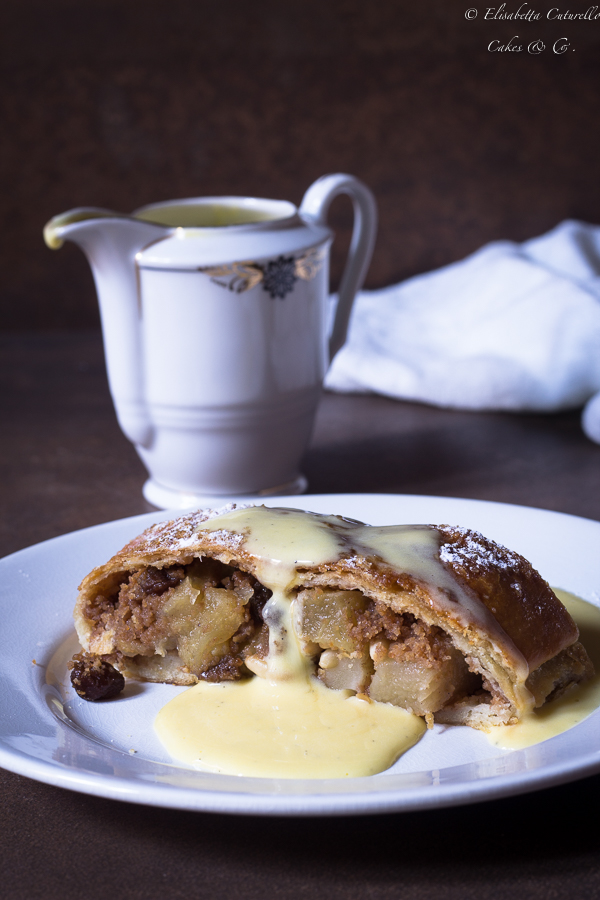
[(157, 581), (257, 601), (227, 669), (94, 678)]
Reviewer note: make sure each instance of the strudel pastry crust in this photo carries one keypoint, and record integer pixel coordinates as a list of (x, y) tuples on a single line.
[(437, 619)]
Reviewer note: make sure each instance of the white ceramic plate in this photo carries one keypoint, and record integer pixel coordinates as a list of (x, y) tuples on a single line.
[(49, 734)]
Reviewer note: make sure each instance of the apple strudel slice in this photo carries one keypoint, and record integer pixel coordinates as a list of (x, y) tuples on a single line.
[(436, 619)]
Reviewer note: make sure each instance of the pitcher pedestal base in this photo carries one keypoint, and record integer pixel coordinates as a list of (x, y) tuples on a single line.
[(168, 498)]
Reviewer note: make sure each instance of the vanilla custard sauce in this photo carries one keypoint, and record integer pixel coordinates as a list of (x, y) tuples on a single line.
[(284, 729), (576, 704), (288, 724)]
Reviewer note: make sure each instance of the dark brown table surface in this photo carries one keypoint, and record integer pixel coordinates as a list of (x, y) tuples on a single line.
[(65, 465)]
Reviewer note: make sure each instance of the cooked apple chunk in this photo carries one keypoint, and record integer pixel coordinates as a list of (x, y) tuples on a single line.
[(421, 672), (329, 618), (421, 685), (204, 618), (341, 672)]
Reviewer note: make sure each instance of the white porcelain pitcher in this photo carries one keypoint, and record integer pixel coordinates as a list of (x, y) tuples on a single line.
[(215, 322)]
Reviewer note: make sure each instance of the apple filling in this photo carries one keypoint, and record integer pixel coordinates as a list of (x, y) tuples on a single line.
[(203, 619), (362, 645)]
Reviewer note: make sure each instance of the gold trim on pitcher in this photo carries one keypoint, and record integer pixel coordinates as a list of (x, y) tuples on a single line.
[(277, 276)]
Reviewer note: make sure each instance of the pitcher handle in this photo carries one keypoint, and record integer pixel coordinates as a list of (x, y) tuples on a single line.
[(315, 205)]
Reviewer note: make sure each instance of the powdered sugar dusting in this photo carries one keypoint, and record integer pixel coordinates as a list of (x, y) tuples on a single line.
[(228, 538), (182, 534), (475, 550)]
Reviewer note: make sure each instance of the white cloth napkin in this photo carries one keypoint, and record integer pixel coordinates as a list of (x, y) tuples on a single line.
[(512, 327)]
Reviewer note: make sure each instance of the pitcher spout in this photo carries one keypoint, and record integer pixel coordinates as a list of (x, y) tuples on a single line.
[(110, 242)]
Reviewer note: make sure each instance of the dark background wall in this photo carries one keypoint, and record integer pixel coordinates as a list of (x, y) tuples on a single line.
[(122, 102)]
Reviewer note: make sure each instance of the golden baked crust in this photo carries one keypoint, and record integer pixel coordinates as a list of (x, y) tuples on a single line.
[(517, 596), (469, 634)]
